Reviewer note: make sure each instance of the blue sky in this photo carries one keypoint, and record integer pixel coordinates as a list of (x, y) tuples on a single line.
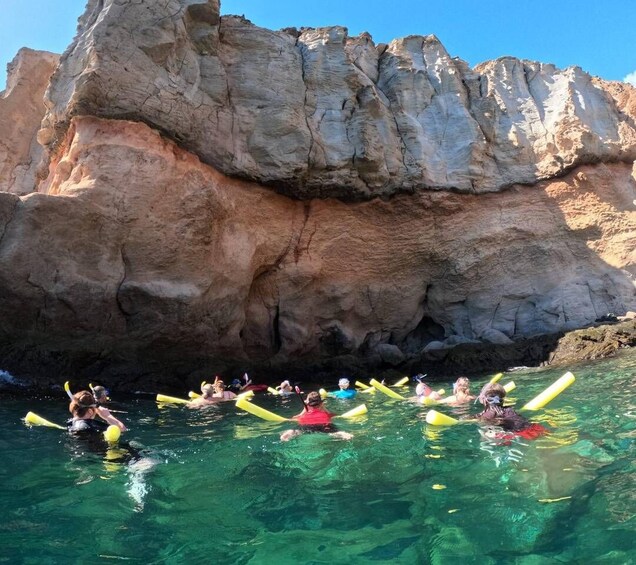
[(599, 36)]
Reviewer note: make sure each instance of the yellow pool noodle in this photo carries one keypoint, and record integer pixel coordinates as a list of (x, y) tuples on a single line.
[(272, 390), (401, 382), (496, 378), (556, 388), (171, 399), (357, 411), (386, 390), (193, 394), (436, 418), (246, 394), (112, 434), (428, 401), (246, 405), (509, 387), (362, 385), (35, 420)]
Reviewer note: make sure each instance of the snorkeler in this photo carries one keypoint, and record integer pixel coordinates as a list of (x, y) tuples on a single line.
[(345, 391), (422, 390), (285, 388), (207, 397), (101, 398), (84, 409), (220, 393), (314, 419), (237, 385), (461, 392), (511, 423)]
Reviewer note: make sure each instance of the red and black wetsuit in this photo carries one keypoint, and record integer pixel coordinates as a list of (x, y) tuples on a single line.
[(514, 424), (316, 421)]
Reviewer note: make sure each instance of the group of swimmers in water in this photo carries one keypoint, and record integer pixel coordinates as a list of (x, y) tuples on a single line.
[(89, 413)]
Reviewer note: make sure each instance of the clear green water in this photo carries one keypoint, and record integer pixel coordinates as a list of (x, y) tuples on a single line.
[(217, 486)]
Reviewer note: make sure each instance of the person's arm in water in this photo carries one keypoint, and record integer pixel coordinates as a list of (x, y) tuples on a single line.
[(104, 414)]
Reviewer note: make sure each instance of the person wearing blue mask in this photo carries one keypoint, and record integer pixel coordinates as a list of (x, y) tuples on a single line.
[(345, 391), (508, 422)]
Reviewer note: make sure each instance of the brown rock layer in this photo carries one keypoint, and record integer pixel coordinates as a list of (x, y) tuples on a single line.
[(137, 248), (219, 196)]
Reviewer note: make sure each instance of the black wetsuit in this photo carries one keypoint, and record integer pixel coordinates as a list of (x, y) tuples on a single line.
[(86, 426), (88, 434)]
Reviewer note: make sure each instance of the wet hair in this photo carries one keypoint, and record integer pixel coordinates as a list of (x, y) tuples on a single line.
[(314, 399), (207, 390), (462, 384), (100, 393), (219, 384), (492, 396), (82, 402)]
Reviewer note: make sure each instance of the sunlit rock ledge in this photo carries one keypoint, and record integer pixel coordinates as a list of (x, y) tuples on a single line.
[(315, 113)]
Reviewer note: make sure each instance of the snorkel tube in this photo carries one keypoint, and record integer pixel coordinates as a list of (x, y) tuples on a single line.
[(297, 389)]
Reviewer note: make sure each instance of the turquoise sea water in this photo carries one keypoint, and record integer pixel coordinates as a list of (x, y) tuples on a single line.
[(217, 485)]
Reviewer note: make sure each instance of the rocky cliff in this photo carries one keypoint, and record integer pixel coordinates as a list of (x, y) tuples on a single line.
[(21, 111), (214, 194)]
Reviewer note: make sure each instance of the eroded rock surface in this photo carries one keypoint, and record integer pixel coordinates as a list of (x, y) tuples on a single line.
[(21, 111), (317, 113), (137, 244)]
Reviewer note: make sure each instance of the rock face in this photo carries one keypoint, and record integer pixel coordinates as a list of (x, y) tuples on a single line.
[(594, 343), (316, 113), (209, 199), (21, 111)]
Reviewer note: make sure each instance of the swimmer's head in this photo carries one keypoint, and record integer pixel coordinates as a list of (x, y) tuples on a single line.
[(82, 404), (492, 394), (219, 385), (207, 390), (100, 394), (462, 384), (314, 399)]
